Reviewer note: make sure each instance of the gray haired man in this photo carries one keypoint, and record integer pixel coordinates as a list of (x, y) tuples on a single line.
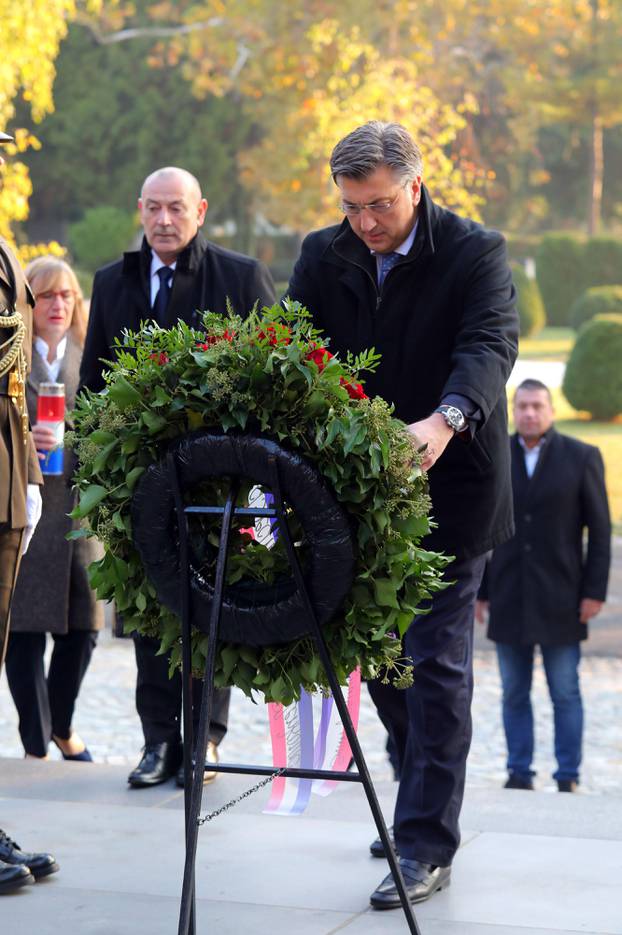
[(432, 292)]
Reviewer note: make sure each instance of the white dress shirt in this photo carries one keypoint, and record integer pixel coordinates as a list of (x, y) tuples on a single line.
[(53, 368), (531, 454), (403, 248), (156, 264)]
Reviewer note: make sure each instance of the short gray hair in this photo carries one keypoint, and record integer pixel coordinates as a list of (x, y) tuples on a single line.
[(376, 144)]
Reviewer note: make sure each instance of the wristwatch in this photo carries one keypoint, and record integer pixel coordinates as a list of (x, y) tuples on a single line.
[(454, 417)]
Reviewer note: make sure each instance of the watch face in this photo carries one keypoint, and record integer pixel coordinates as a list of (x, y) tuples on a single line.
[(455, 418)]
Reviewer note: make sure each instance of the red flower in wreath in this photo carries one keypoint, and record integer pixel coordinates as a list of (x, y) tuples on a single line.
[(274, 337), (160, 358), (319, 355), (355, 390)]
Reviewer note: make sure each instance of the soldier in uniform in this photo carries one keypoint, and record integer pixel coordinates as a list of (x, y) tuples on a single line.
[(20, 497)]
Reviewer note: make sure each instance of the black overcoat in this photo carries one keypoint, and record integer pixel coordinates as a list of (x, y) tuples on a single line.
[(445, 322), (536, 581), (53, 594), (204, 275)]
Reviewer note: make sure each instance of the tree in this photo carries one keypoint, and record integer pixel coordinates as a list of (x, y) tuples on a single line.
[(31, 35)]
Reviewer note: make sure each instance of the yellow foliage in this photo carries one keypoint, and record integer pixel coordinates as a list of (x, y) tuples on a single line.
[(32, 31)]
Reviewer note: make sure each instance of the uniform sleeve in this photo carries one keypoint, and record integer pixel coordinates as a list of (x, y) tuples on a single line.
[(595, 515), (486, 344)]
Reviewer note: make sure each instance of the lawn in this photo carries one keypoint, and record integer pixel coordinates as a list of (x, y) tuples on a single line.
[(548, 344)]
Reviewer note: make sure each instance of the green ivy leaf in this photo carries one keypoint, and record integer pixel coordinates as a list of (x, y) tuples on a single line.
[(89, 499)]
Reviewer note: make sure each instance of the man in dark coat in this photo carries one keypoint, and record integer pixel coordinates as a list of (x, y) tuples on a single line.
[(20, 497), (176, 274), (542, 587), (432, 292)]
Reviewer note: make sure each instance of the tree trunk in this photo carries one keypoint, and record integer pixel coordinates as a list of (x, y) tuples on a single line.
[(595, 194)]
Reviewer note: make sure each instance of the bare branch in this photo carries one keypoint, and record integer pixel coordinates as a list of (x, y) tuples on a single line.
[(145, 32)]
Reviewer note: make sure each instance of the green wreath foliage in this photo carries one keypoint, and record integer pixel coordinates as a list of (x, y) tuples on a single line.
[(269, 374)]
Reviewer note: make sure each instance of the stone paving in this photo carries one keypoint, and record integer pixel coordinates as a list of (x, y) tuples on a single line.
[(107, 720)]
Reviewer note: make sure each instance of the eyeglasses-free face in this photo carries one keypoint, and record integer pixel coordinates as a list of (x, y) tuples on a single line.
[(379, 210)]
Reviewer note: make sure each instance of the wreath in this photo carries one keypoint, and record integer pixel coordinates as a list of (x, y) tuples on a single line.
[(270, 376)]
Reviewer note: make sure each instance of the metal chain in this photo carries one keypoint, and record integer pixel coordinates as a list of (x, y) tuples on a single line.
[(245, 795)]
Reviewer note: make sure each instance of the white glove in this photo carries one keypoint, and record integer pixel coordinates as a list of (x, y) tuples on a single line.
[(34, 505)]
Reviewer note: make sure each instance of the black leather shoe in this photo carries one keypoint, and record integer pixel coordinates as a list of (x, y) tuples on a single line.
[(159, 762), (209, 775), (518, 782), (422, 880), (376, 848), (13, 876), (567, 785), (37, 865)]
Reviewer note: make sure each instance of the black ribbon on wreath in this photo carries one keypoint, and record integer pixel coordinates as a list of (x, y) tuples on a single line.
[(261, 615)]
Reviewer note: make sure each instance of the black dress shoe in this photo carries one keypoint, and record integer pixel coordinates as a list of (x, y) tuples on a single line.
[(13, 876), (422, 880), (518, 782), (209, 775), (159, 762), (567, 785), (37, 865), (376, 848)]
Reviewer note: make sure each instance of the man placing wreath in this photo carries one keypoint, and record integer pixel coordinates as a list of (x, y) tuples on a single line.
[(433, 293)]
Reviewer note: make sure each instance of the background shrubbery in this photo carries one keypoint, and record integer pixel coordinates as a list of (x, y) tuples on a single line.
[(593, 377), (567, 265), (600, 300), (530, 307), (101, 236)]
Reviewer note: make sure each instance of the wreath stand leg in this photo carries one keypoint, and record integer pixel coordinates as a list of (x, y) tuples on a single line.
[(193, 793)]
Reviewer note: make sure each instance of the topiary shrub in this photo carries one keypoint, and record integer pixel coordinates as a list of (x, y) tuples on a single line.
[(602, 264), (101, 236), (531, 315), (560, 275), (593, 378), (601, 300)]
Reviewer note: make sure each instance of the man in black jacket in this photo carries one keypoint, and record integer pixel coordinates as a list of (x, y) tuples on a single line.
[(432, 292), (542, 587), (176, 274)]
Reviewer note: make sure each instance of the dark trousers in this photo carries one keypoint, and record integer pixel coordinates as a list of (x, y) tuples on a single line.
[(430, 723), (45, 705), (10, 554), (158, 697)]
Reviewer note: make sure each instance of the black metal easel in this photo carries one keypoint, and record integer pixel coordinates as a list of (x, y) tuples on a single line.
[(193, 793)]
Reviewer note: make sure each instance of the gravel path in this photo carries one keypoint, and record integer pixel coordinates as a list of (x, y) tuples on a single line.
[(107, 720)]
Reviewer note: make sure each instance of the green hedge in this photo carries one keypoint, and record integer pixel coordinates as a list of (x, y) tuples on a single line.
[(531, 314), (568, 264), (600, 300), (593, 377), (559, 273), (101, 236)]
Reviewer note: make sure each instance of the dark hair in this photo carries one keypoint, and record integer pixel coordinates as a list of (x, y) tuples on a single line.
[(375, 144), (531, 384)]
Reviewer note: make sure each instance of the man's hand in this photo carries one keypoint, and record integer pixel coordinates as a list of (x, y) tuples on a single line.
[(588, 609), (433, 432), (34, 505), (481, 611), (44, 437)]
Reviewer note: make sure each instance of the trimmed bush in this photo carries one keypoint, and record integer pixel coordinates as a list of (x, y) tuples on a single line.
[(602, 264), (522, 247), (601, 300), (101, 236), (560, 275), (530, 306), (593, 378)]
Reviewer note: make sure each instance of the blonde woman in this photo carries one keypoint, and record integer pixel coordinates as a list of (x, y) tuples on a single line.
[(52, 593)]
